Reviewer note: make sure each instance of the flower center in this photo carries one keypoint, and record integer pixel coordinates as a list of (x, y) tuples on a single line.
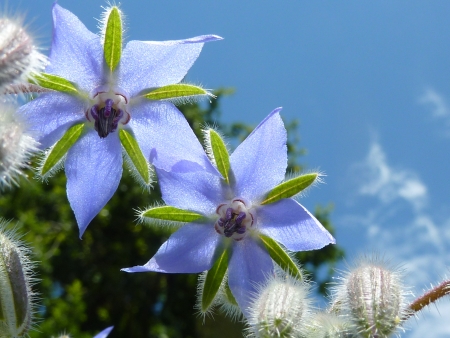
[(109, 109), (235, 219)]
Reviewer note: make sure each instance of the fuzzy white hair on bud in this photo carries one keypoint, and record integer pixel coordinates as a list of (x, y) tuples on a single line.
[(16, 146), (371, 298), (327, 325), (280, 308), (19, 56), (17, 300)]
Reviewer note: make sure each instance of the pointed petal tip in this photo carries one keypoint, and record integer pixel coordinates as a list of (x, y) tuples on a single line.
[(204, 38), (215, 38), (82, 229), (276, 110), (331, 240), (138, 268), (105, 332)]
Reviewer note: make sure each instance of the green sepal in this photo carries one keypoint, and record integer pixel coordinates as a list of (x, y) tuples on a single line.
[(61, 147), (280, 256), (168, 213), (135, 154), (176, 91), (221, 156), (290, 188), (229, 295), (112, 47), (213, 280), (53, 82)]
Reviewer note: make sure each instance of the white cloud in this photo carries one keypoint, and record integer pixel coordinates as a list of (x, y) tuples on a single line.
[(400, 217), (436, 102), (387, 183)]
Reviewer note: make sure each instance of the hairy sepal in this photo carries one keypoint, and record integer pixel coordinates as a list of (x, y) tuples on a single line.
[(218, 150), (228, 304), (135, 158), (55, 155), (54, 82), (213, 281), (178, 93), (169, 213), (290, 188), (112, 47), (17, 300), (281, 257)]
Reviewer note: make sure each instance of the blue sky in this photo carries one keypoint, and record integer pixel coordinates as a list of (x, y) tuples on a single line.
[(369, 82)]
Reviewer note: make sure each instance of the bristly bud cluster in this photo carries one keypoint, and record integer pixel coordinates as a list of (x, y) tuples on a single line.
[(281, 308), (327, 325), (371, 298), (16, 145), (18, 54), (16, 278)]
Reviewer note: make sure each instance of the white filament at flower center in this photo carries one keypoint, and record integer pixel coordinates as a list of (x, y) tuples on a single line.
[(109, 109), (235, 219)]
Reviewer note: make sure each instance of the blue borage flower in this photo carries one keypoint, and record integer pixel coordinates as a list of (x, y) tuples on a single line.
[(103, 97), (235, 214)]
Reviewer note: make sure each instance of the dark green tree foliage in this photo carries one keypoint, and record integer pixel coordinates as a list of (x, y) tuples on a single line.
[(82, 288)]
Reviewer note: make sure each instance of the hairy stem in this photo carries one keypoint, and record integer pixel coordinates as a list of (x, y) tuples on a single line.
[(428, 297)]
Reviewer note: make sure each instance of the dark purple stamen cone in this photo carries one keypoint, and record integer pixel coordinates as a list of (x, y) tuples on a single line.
[(106, 119), (232, 223)]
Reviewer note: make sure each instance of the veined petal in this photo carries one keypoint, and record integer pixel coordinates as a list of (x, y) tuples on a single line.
[(50, 115), (189, 250), (250, 265), (166, 138), (289, 223), (259, 163), (196, 191), (93, 170), (76, 53), (156, 64)]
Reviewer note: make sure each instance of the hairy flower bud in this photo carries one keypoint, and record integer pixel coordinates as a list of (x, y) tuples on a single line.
[(280, 309), (16, 145), (18, 54), (16, 278), (327, 325), (371, 298)]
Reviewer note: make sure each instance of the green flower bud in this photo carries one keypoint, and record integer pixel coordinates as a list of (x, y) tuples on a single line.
[(18, 53), (371, 298), (327, 325), (16, 278), (280, 309)]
